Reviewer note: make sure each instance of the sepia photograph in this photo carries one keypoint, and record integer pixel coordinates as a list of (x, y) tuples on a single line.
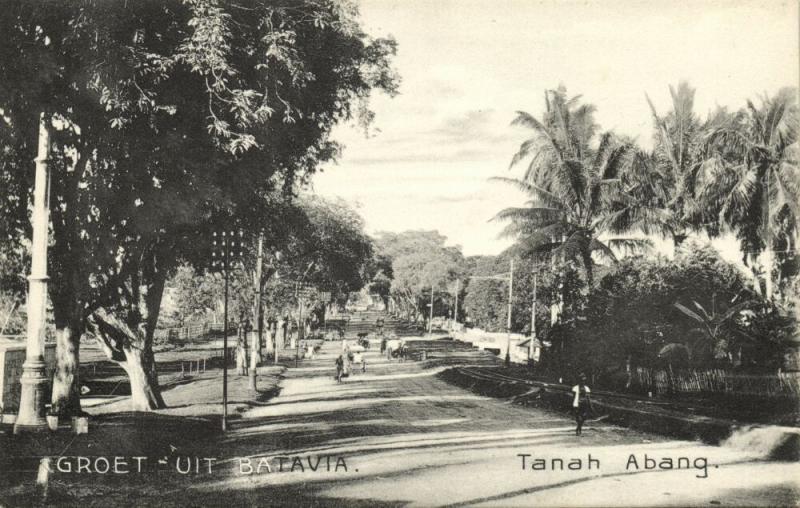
[(399, 253)]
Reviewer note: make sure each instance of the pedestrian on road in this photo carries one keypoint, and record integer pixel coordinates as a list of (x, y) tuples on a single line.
[(339, 368), (581, 403)]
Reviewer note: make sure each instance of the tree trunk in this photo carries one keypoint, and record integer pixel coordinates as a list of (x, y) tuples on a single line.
[(66, 397), (141, 368)]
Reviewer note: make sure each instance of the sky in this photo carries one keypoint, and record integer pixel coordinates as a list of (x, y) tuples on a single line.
[(467, 66)]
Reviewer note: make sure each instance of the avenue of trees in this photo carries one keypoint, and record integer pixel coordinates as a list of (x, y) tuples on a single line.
[(169, 120), (596, 200)]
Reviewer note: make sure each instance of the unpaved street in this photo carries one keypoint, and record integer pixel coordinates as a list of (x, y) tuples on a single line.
[(397, 435)]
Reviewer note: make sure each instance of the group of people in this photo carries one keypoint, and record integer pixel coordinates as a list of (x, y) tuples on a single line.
[(347, 359), (390, 346)]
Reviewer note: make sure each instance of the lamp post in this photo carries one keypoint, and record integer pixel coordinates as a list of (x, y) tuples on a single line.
[(230, 248), (31, 416)]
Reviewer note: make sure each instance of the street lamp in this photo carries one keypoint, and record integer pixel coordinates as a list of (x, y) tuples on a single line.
[(226, 247), (31, 415)]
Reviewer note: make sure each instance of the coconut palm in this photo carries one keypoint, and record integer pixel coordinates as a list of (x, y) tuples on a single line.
[(751, 178), (659, 186), (569, 182)]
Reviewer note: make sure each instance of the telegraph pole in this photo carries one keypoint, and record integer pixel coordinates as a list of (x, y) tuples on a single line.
[(225, 348), (430, 321), (533, 320), (31, 416), (255, 347), (508, 326), (455, 313), (227, 241), (510, 279)]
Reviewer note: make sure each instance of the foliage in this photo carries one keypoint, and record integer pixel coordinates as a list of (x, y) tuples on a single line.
[(319, 244), (661, 187), (569, 182), (751, 178), (166, 115), (421, 262), (641, 307), (557, 285)]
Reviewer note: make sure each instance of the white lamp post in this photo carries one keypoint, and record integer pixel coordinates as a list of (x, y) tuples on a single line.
[(31, 415)]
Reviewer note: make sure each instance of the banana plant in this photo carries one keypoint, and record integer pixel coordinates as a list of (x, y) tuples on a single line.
[(713, 322)]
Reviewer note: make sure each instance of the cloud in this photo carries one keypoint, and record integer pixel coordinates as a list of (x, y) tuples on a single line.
[(475, 135)]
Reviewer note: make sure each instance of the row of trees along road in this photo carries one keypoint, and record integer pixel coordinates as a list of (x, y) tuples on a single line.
[(733, 172), (730, 172), (318, 242), (168, 119)]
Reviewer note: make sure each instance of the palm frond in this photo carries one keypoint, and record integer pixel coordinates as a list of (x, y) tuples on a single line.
[(604, 250), (541, 195), (631, 245)]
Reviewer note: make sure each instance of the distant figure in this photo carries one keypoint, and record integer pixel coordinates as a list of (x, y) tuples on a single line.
[(581, 403), (383, 345), (359, 357), (339, 368)]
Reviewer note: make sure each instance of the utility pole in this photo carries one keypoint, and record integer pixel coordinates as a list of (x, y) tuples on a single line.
[(255, 348), (299, 324), (31, 416), (455, 313), (227, 241), (430, 321), (508, 326), (225, 349), (533, 321), (510, 278)]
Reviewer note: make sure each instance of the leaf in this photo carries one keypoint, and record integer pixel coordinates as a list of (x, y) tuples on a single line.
[(689, 313)]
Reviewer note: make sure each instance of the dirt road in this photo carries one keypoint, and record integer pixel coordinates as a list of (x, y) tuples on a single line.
[(397, 435)]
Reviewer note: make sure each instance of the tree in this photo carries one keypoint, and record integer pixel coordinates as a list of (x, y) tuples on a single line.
[(752, 178), (165, 115), (568, 181), (421, 263), (644, 310), (660, 186)]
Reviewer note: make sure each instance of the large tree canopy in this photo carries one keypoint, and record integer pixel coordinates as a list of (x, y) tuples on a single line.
[(164, 116), (421, 262)]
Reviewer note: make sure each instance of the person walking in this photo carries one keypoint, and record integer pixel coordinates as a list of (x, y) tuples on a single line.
[(581, 403), (339, 368)]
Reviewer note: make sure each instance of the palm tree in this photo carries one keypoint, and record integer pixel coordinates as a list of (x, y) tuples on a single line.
[(569, 183), (751, 178), (659, 186)]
